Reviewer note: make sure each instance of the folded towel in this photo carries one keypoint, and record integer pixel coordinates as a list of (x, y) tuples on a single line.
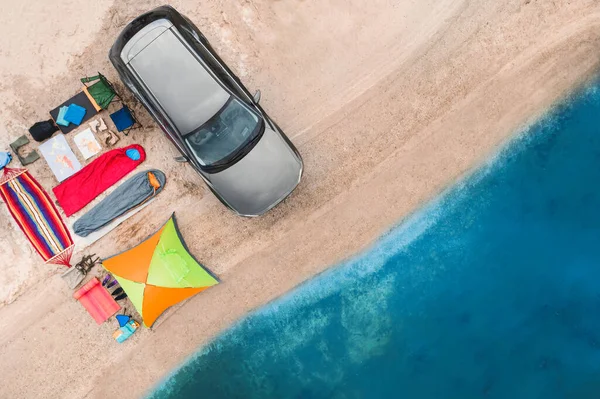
[(60, 119), (74, 114)]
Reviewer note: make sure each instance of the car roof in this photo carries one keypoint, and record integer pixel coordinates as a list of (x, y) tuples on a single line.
[(174, 75)]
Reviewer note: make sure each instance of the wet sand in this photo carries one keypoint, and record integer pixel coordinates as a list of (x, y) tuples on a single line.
[(388, 102)]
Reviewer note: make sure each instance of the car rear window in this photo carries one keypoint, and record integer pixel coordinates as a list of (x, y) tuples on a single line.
[(179, 82)]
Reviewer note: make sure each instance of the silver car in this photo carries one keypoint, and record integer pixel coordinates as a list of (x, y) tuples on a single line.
[(208, 114)]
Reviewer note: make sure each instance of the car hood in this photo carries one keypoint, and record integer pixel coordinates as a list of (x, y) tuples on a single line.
[(262, 178)]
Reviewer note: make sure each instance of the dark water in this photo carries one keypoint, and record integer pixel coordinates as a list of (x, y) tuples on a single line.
[(491, 291)]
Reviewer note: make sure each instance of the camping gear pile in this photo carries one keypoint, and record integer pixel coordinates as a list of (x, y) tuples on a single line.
[(152, 275)]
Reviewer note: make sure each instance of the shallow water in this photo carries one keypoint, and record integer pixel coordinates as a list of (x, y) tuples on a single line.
[(491, 291)]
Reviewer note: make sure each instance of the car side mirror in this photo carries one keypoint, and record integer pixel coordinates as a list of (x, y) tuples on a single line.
[(257, 96), (181, 159)]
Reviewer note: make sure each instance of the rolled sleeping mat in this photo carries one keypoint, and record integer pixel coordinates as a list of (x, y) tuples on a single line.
[(134, 192)]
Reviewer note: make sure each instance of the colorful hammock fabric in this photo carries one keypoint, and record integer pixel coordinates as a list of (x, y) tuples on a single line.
[(37, 216)]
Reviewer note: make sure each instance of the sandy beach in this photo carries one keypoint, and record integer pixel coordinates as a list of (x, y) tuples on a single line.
[(389, 102)]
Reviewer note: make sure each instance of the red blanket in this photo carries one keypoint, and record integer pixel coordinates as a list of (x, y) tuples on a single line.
[(81, 188)]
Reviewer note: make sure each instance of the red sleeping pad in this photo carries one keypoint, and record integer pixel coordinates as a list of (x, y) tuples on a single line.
[(97, 301)]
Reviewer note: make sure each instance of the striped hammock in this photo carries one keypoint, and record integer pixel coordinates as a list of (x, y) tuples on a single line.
[(36, 215)]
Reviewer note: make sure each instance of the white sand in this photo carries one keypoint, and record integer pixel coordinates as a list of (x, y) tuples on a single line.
[(388, 101)]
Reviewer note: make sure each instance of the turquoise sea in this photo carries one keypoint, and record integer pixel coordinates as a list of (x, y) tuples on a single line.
[(490, 291)]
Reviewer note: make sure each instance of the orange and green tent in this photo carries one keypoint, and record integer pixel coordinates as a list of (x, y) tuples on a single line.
[(159, 272)]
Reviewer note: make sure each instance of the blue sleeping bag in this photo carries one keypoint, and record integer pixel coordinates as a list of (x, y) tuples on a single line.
[(134, 192)]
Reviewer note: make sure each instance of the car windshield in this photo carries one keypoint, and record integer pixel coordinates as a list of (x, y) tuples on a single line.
[(223, 134)]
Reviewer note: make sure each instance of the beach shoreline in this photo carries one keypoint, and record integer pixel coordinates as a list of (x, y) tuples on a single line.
[(463, 83)]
